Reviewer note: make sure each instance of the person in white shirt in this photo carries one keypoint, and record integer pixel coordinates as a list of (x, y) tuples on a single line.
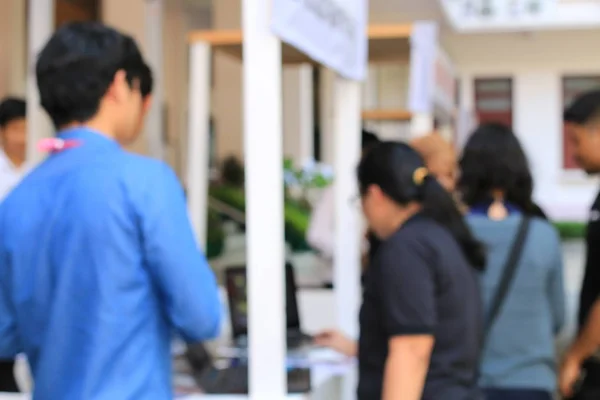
[(13, 128), (13, 139), (320, 234)]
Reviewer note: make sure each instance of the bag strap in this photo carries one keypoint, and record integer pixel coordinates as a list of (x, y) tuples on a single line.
[(508, 273)]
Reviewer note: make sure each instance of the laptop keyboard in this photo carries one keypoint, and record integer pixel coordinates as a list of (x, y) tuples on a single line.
[(234, 380), (294, 340), (297, 339)]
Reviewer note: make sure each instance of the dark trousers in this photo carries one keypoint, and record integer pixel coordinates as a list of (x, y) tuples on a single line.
[(517, 394), (7, 377)]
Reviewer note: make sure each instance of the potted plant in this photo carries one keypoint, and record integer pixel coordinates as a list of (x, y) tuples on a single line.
[(305, 184), (215, 238)]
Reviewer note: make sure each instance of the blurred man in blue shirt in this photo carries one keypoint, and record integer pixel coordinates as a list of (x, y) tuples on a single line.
[(98, 261)]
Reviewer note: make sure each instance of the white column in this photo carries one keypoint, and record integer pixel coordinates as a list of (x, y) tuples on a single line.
[(154, 125), (421, 124), (421, 88), (199, 139), (40, 25), (348, 229), (263, 144)]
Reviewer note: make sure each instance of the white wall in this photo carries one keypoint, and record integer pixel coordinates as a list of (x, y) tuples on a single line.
[(536, 62), (386, 88), (13, 48)]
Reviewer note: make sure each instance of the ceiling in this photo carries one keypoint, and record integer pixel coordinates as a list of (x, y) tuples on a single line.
[(405, 6)]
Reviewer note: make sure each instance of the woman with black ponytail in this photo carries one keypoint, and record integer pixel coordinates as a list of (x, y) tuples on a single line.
[(421, 318)]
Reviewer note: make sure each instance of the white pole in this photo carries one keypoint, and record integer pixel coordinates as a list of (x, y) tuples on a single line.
[(39, 28), (421, 124), (264, 202), (199, 139), (154, 122), (348, 228)]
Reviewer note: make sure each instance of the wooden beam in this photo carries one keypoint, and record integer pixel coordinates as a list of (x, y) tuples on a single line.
[(375, 32), (229, 37), (386, 115), (234, 36)]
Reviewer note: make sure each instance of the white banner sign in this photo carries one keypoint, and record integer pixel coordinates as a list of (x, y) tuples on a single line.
[(423, 54), (332, 32), (445, 84)]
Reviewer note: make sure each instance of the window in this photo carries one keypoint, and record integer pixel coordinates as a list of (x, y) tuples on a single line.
[(493, 100), (573, 86), (76, 10)]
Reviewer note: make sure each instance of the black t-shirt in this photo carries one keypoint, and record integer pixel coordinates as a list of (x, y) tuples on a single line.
[(374, 244), (590, 289), (421, 283)]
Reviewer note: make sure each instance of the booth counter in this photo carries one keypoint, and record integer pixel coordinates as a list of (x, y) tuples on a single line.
[(326, 382)]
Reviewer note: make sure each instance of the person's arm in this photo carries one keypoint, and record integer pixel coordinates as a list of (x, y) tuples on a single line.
[(406, 367), (178, 268), (321, 235), (9, 342), (409, 316), (556, 286), (588, 340), (586, 344)]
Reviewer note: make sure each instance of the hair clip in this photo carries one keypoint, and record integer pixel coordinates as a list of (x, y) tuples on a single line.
[(419, 175), (54, 145)]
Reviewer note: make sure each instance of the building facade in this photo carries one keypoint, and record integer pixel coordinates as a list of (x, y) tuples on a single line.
[(522, 75)]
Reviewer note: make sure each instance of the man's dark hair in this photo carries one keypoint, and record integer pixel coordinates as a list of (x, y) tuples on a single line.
[(584, 109), (12, 108), (77, 66), (369, 139), (146, 81)]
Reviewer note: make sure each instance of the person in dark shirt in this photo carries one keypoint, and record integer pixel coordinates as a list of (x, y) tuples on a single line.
[(421, 316), (496, 185), (582, 121)]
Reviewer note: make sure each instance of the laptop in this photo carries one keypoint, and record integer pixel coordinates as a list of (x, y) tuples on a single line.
[(236, 283), (233, 378)]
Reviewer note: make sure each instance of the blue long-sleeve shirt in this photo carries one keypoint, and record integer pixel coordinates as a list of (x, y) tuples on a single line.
[(519, 351), (98, 267)]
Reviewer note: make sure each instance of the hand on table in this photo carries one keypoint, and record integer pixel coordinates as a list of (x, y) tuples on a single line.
[(337, 341), (570, 372)]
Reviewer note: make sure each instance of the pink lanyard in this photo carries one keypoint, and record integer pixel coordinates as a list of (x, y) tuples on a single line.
[(56, 145)]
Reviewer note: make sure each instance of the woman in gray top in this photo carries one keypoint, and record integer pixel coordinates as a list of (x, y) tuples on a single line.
[(519, 360)]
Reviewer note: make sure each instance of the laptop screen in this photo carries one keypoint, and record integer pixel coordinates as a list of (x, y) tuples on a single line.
[(236, 283)]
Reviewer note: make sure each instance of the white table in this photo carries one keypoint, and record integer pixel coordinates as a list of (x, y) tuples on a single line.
[(326, 379)]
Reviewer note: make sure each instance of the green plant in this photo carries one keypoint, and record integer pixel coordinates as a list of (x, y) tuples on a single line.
[(215, 238), (232, 171), (570, 230), (296, 219), (311, 175)]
